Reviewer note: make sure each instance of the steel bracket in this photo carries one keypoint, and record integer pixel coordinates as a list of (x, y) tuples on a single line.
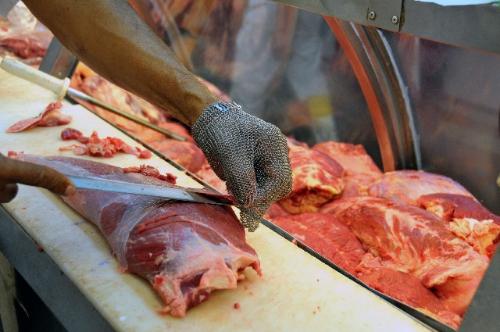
[(385, 14)]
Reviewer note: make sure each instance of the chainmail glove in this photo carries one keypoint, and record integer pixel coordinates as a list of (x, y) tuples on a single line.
[(248, 153)]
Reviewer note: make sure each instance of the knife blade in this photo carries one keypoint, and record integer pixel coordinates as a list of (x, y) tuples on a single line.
[(164, 192)]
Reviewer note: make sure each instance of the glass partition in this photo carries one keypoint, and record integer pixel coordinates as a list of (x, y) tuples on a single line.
[(455, 94)]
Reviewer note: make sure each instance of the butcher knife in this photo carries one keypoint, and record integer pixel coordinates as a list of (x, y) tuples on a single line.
[(61, 88), (163, 192)]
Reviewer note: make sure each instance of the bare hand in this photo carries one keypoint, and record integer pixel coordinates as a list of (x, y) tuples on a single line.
[(14, 171)]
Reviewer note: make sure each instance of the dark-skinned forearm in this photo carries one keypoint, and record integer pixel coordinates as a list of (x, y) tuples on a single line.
[(109, 37)]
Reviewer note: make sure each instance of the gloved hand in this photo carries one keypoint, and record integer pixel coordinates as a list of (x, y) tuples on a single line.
[(248, 153), (15, 171)]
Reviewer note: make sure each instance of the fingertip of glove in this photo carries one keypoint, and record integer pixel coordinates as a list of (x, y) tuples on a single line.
[(250, 219)]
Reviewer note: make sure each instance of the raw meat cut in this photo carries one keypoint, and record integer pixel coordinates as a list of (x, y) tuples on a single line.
[(185, 250), (353, 158), (186, 154), (360, 170), (208, 175), (24, 47), (335, 242), (151, 171), (406, 288), (69, 134), (407, 186), (274, 211), (50, 117), (414, 241), (322, 233), (94, 85), (317, 179), (358, 184), (95, 146), (467, 218)]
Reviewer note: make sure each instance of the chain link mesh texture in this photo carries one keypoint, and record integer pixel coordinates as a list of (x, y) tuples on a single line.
[(251, 155)]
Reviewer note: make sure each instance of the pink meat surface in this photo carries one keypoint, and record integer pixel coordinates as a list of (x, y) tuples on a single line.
[(185, 250), (406, 288), (330, 238), (467, 219), (360, 170), (358, 184), (414, 241), (353, 158), (24, 47), (317, 179), (50, 117), (186, 154), (208, 175), (274, 211), (407, 186)]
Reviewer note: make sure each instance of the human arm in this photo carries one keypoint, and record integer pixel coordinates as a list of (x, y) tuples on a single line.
[(109, 37)]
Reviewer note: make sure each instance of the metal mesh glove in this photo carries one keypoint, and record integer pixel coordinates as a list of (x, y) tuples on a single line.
[(248, 153)]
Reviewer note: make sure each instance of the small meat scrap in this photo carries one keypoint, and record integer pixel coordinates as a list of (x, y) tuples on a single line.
[(236, 306), (151, 171), (50, 117), (95, 146), (69, 134)]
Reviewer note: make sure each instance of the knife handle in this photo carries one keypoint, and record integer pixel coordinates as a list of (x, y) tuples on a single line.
[(19, 69)]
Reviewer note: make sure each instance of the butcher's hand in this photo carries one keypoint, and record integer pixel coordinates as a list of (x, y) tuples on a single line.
[(14, 171), (248, 153)]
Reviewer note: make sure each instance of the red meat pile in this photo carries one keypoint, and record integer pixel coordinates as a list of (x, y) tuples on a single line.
[(420, 238), (95, 146)]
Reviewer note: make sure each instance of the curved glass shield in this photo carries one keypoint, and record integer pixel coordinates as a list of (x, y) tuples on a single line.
[(456, 101)]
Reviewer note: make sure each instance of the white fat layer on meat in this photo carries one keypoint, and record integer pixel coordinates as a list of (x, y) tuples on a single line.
[(309, 175), (431, 270)]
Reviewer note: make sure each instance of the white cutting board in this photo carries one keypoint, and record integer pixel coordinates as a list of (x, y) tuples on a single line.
[(296, 293)]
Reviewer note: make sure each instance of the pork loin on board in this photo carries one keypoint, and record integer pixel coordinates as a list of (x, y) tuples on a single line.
[(185, 250)]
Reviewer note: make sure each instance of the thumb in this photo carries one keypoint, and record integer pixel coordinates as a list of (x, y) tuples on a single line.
[(7, 192), (239, 174)]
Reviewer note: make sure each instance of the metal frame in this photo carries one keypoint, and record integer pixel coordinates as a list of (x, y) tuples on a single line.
[(47, 280), (384, 91), (473, 26)]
